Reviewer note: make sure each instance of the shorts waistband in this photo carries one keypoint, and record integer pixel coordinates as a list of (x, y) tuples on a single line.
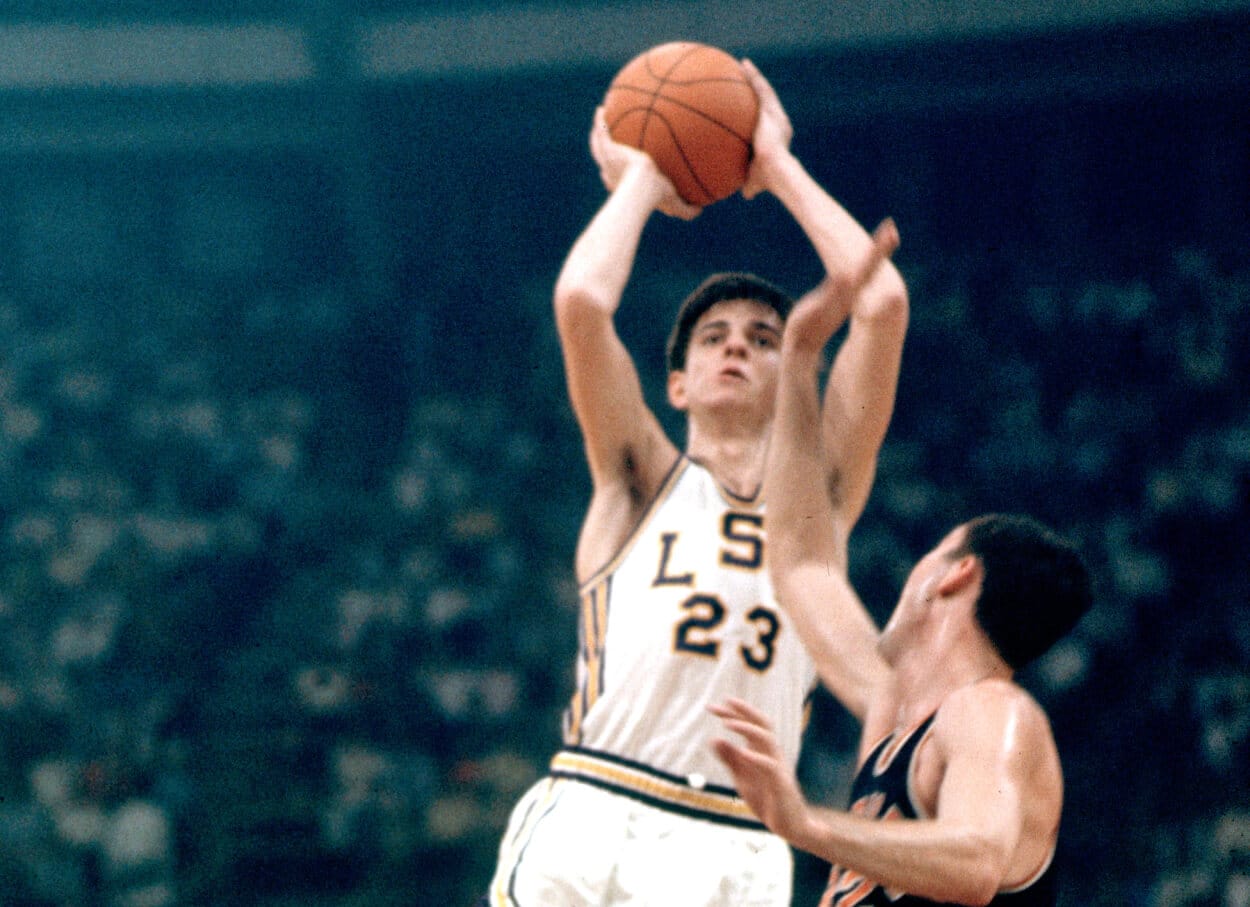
[(685, 796)]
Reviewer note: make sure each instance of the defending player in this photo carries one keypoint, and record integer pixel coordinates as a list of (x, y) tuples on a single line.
[(955, 751), (677, 611)]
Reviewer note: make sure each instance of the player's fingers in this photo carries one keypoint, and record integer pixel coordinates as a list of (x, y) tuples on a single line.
[(885, 240), (757, 738), (749, 767), (756, 78), (734, 709), (729, 754), (743, 709), (732, 716), (886, 237), (723, 712), (742, 762), (751, 189), (676, 207)]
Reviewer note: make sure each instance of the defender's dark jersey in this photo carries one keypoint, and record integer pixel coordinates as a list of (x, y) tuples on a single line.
[(882, 791)]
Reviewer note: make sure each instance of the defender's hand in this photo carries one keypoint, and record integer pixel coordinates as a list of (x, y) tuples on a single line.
[(761, 775)]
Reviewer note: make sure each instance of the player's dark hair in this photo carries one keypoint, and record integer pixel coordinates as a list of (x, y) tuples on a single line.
[(719, 288), (1034, 588)]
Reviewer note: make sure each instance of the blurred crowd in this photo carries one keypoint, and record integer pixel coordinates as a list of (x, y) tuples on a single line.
[(272, 633)]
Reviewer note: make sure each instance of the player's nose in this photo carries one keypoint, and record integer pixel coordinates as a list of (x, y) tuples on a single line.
[(736, 345)]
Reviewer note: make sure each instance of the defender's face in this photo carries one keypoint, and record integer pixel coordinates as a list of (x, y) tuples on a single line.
[(732, 359), (920, 594)]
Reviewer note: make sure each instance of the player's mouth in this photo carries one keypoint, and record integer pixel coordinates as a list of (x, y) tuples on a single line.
[(733, 372)]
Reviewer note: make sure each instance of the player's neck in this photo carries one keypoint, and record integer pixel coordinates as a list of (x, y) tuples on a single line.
[(736, 459), (925, 676)]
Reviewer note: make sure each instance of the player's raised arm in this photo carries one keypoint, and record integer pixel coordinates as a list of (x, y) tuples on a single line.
[(807, 533), (859, 396), (626, 449)]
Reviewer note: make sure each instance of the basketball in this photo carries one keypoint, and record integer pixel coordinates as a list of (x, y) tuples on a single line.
[(691, 108)]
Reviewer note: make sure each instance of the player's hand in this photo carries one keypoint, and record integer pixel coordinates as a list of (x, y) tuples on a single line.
[(773, 132), (615, 159), (821, 312), (761, 775)]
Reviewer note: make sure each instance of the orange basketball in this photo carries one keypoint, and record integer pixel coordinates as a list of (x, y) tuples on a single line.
[(692, 109)]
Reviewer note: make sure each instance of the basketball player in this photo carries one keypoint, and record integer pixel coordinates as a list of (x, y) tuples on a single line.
[(676, 608), (959, 791)]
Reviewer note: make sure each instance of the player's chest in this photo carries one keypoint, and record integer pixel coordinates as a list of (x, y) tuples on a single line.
[(701, 588), (688, 549)]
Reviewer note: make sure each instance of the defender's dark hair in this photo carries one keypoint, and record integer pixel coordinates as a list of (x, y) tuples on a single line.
[(718, 288), (1035, 584)]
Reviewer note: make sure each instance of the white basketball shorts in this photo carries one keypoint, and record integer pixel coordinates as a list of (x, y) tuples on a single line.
[(572, 844)]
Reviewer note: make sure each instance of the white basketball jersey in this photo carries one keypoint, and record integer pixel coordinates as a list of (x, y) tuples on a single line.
[(682, 617)]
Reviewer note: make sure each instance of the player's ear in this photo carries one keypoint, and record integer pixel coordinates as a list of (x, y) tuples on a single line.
[(677, 390), (963, 572)]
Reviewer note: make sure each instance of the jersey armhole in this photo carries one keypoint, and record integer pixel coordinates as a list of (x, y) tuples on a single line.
[(675, 472)]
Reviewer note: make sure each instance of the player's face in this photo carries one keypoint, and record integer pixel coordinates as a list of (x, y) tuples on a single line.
[(732, 359), (920, 596)]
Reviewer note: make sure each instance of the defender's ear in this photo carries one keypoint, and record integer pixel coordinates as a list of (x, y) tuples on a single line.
[(961, 574)]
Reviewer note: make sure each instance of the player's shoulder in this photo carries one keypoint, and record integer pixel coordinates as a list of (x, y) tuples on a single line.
[(993, 704), (993, 693)]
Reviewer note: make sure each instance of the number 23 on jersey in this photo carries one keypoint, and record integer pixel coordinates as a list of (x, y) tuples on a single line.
[(700, 628)]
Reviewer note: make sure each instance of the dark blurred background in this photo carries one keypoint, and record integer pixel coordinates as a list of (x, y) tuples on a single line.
[(289, 485)]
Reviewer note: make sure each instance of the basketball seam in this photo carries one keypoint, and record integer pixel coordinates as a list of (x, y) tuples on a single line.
[(686, 160), (702, 114), (662, 80)]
